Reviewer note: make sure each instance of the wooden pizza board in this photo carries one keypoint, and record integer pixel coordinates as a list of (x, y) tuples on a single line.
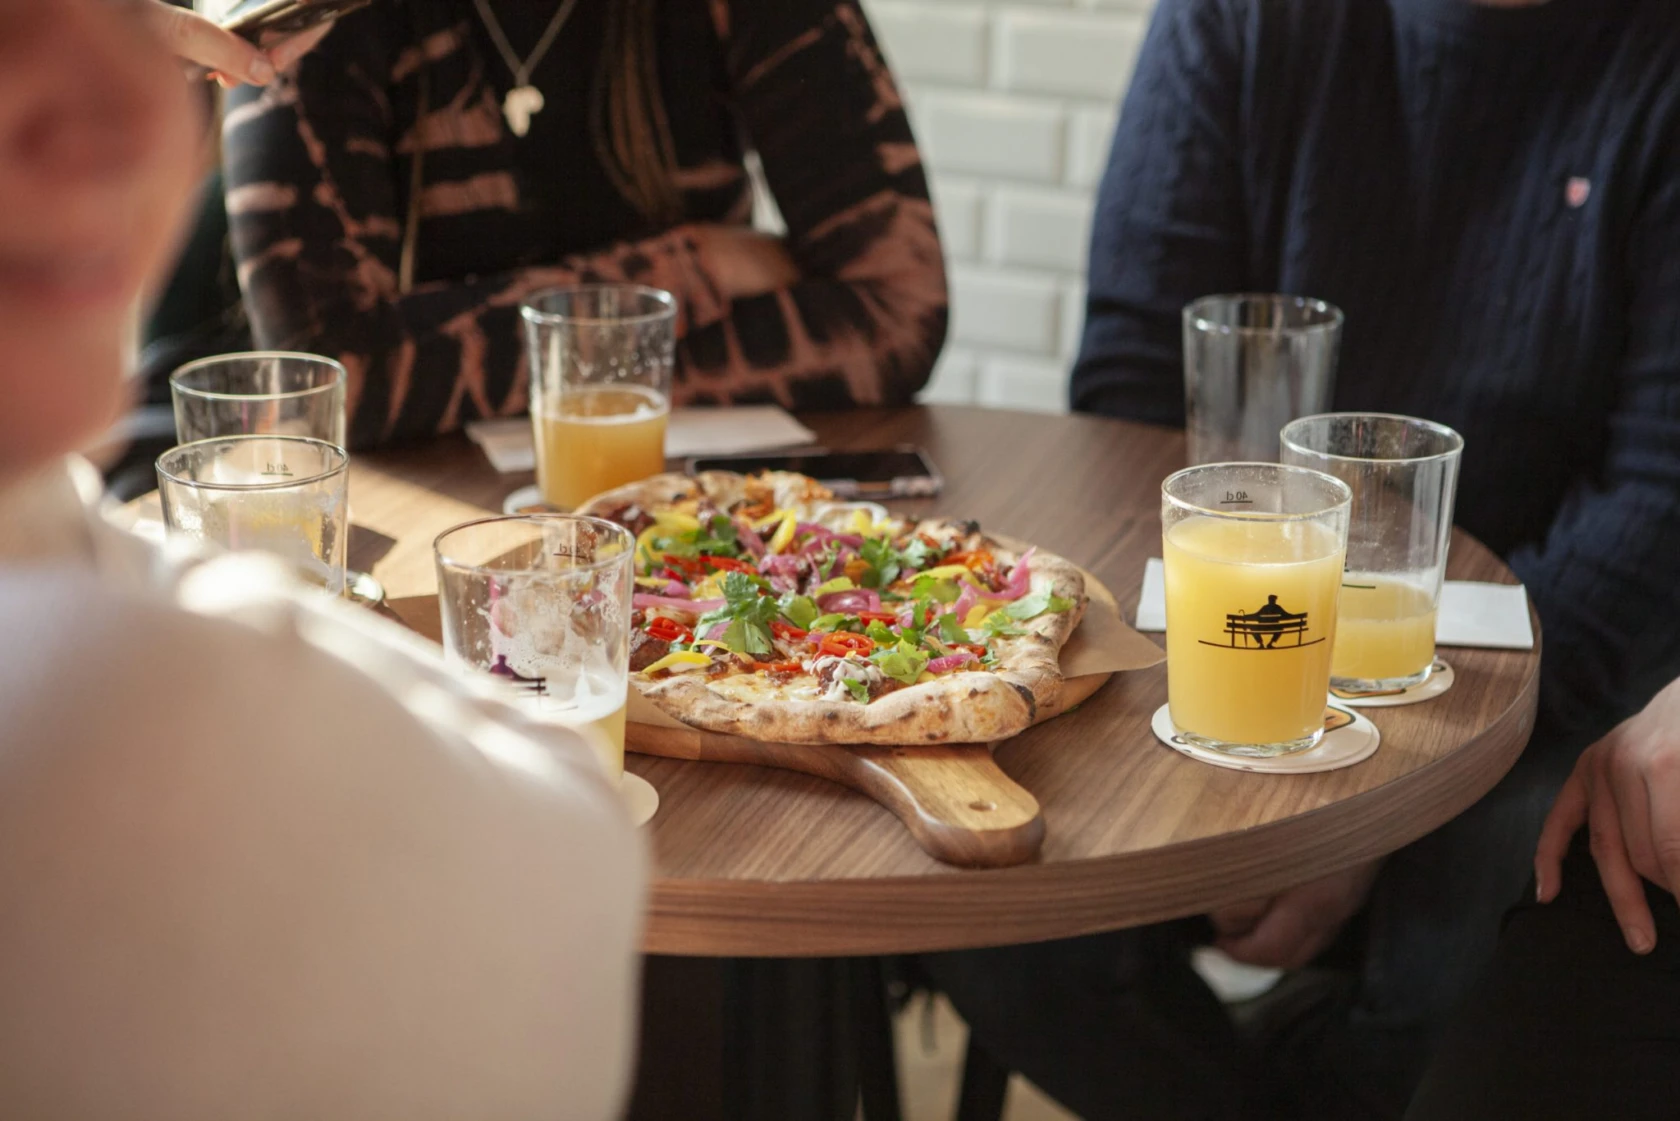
[(954, 798)]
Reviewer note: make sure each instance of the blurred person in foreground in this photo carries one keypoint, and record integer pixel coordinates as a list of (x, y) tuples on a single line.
[(1491, 193), (1580, 1013), (262, 856)]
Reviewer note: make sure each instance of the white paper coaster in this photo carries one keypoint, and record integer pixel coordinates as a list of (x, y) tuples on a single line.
[(521, 500), (1353, 741), (1440, 679), (640, 798)]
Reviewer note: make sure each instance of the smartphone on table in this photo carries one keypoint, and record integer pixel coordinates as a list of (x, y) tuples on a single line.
[(901, 472), (253, 19)]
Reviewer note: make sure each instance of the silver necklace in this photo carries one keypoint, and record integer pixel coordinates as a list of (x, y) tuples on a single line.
[(524, 100)]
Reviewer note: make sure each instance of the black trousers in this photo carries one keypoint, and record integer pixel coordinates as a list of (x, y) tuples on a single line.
[(1119, 1026), (1568, 1023)]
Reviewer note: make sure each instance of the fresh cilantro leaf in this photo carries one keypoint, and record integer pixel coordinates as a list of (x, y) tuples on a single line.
[(916, 554), (881, 633), (680, 546), (989, 658), (950, 629), (882, 559), (718, 538), (903, 663), (1034, 604), (932, 587), (801, 611), (748, 637), (999, 625), (837, 623), (859, 691), (742, 593)]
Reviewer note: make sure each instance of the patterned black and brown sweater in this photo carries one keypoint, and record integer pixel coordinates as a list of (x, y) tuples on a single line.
[(320, 166)]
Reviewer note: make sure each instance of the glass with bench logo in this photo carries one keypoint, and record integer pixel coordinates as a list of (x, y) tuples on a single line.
[(542, 603), (1403, 473), (1253, 558)]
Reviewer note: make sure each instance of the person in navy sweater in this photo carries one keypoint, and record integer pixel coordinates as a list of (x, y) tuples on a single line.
[(1491, 193)]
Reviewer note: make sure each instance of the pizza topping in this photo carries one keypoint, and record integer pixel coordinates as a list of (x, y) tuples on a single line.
[(749, 541), (680, 661), (903, 663), (844, 678), (785, 530), (688, 607), (739, 586), (841, 643), (668, 630), (951, 662), (647, 650), (801, 611)]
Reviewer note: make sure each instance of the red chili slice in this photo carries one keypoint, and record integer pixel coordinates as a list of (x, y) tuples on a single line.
[(669, 630), (729, 564), (841, 643), (786, 630)]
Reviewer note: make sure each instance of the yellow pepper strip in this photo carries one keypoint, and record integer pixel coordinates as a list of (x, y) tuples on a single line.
[(652, 582), (681, 661), (838, 584), (783, 537), (977, 616), (673, 522), (644, 544), (952, 572), (772, 518), (925, 677), (712, 642)]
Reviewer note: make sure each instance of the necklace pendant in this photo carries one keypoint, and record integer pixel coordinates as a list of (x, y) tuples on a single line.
[(521, 104)]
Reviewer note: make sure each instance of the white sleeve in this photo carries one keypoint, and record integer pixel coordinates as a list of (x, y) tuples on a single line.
[(241, 879)]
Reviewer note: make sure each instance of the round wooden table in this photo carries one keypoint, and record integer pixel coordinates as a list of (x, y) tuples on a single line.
[(760, 862)]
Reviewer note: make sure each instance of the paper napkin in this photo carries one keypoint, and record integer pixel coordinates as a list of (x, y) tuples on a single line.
[(1472, 614), (726, 431)]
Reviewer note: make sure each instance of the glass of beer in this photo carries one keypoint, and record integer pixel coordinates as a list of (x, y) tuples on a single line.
[(1253, 555), (284, 495), (542, 603), (1253, 363), (262, 393), (1403, 473), (600, 357)]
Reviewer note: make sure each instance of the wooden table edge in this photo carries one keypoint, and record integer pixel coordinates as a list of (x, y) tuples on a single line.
[(863, 916)]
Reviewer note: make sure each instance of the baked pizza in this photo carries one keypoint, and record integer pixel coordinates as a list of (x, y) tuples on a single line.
[(766, 609)]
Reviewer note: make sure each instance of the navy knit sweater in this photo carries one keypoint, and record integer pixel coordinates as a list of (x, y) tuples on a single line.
[(1492, 195)]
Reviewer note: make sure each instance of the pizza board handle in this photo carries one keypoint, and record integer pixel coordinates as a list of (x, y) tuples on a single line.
[(955, 801)]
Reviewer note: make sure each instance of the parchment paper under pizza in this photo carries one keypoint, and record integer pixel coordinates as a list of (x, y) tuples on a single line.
[(766, 609)]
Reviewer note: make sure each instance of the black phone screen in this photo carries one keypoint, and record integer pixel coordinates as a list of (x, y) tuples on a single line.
[(901, 472)]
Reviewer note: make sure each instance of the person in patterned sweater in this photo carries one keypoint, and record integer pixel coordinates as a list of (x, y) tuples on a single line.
[(395, 196)]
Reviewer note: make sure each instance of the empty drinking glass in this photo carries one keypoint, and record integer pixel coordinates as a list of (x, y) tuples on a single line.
[(1403, 473), (543, 603), (266, 393), (284, 495), (1253, 363)]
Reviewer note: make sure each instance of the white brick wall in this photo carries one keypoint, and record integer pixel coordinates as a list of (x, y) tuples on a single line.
[(1013, 102)]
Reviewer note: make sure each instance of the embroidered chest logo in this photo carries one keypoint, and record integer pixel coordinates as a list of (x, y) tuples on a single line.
[(1577, 192)]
